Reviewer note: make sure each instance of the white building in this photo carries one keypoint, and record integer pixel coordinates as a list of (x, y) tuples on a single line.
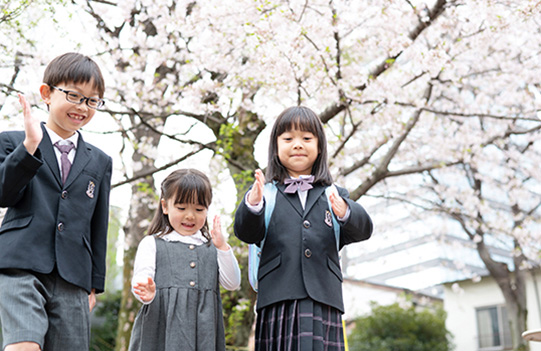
[(476, 313)]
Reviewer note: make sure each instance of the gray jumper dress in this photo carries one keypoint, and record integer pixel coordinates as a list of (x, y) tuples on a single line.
[(186, 313)]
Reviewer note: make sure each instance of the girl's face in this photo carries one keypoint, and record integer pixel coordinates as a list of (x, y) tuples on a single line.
[(186, 219), (297, 151)]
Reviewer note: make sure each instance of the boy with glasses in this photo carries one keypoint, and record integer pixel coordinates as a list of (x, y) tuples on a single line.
[(53, 237)]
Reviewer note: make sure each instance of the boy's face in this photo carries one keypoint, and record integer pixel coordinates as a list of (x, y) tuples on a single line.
[(65, 118)]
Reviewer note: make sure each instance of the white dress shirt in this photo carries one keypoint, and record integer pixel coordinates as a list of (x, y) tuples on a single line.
[(54, 138)]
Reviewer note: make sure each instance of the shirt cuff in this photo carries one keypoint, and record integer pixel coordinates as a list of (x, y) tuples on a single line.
[(346, 216), (255, 209)]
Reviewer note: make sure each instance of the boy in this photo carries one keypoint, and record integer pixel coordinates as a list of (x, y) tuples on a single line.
[(54, 234)]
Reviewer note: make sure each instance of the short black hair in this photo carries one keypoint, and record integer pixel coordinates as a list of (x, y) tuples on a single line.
[(74, 68)]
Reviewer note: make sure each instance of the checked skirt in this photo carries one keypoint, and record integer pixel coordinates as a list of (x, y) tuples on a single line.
[(299, 325)]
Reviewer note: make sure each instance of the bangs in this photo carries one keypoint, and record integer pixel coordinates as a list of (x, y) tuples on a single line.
[(298, 119), (82, 73), (74, 68), (192, 191)]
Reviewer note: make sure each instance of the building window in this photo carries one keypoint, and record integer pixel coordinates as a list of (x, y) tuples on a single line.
[(493, 328)]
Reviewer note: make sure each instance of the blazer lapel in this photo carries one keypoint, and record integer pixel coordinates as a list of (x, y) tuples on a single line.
[(313, 196), (48, 154), (82, 156), (292, 198)]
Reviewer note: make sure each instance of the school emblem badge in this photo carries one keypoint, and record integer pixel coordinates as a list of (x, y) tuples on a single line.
[(90, 189), (328, 218)]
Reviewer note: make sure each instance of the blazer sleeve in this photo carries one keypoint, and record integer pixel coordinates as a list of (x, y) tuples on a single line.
[(249, 226), (100, 223), (358, 226), (17, 169)]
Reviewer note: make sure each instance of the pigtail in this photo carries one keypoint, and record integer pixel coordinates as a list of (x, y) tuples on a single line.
[(160, 222)]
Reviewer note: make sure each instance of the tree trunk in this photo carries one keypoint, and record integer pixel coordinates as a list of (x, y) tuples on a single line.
[(513, 287), (236, 144), (142, 206)]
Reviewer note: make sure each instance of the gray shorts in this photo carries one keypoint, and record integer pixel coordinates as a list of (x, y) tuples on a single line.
[(45, 309)]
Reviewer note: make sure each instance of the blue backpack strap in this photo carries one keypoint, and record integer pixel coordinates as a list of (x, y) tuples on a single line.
[(269, 193), (335, 224), (254, 251)]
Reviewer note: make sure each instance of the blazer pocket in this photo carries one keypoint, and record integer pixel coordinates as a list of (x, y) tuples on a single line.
[(91, 173), (335, 268), (87, 245), (16, 223), (269, 266)]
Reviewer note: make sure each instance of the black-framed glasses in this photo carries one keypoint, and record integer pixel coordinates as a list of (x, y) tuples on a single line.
[(78, 98)]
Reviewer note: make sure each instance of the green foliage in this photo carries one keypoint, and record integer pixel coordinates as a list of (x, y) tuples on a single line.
[(393, 328), (238, 306), (225, 142), (238, 317), (243, 180), (103, 333), (113, 232)]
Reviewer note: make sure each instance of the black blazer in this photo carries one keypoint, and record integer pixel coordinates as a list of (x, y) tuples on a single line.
[(299, 258), (47, 224)]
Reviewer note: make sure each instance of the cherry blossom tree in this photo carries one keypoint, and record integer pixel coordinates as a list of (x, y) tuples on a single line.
[(18, 22), (433, 104)]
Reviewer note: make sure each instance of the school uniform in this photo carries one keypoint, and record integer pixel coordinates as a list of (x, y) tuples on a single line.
[(53, 230), (186, 311), (299, 270)]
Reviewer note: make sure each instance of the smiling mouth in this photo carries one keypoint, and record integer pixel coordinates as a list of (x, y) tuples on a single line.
[(76, 116)]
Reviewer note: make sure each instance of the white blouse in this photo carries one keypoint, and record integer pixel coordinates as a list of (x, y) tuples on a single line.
[(145, 261)]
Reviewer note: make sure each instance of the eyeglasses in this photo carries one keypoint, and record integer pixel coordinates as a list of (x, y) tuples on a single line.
[(77, 98)]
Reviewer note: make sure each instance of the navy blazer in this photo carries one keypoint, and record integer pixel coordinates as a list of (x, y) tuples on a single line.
[(299, 258), (48, 224)]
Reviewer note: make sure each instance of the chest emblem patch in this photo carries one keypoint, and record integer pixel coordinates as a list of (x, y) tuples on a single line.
[(90, 189), (328, 218)]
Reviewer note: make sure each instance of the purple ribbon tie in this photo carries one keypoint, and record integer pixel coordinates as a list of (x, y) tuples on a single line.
[(302, 184)]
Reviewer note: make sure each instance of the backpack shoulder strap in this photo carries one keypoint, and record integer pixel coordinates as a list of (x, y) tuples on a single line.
[(335, 224), (254, 250), (269, 193)]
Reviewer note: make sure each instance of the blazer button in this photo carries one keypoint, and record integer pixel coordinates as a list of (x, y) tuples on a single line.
[(192, 247), (192, 283), (192, 264), (60, 226), (306, 224), (307, 253), (64, 194)]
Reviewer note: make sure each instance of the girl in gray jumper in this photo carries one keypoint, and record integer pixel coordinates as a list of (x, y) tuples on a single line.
[(178, 268)]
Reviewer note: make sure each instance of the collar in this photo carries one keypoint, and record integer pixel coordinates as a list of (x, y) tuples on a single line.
[(55, 137), (196, 238)]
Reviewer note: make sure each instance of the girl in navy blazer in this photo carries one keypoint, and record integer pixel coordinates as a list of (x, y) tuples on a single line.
[(299, 302)]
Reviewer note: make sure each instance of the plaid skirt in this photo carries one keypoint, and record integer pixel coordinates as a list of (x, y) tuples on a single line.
[(299, 325)]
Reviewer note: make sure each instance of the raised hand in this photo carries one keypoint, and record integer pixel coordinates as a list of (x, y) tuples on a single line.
[(339, 206), (146, 291), (256, 193), (217, 237), (32, 127)]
